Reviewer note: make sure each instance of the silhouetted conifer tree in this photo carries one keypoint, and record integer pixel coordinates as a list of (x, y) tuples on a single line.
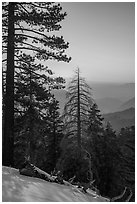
[(94, 140), (37, 138), (26, 42)]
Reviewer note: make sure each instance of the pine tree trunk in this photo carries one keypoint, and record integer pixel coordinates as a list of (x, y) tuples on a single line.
[(78, 117), (8, 140), (31, 122), (55, 142)]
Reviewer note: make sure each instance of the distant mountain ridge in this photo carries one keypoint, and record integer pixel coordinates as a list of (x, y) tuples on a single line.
[(121, 119), (128, 104), (108, 105), (109, 96), (122, 92)]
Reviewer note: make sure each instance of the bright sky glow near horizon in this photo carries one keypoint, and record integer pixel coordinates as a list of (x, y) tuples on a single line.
[(101, 38)]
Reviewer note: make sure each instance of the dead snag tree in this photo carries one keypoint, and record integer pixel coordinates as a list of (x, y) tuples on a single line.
[(76, 110), (75, 160)]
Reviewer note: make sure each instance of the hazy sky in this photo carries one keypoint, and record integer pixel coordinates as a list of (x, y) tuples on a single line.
[(101, 37)]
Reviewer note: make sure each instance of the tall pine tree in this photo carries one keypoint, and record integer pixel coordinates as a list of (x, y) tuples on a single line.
[(26, 27)]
